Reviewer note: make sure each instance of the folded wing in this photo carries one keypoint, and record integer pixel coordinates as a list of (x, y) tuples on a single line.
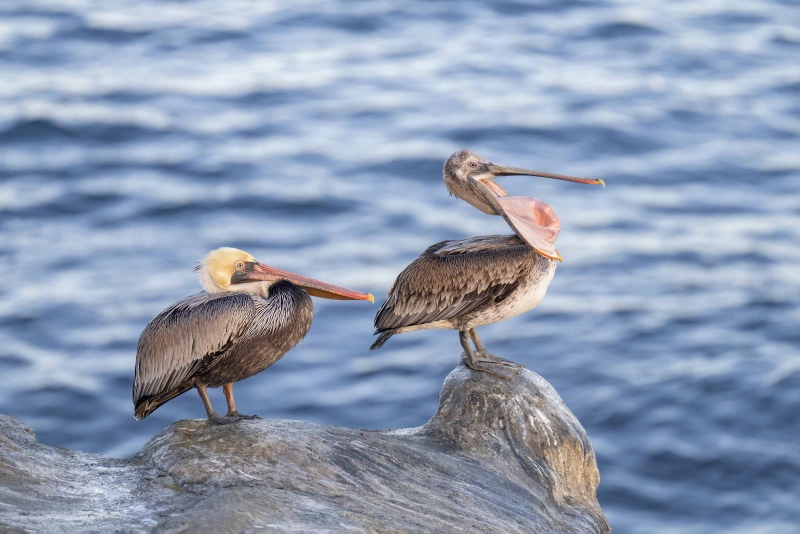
[(189, 335), (453, 278)]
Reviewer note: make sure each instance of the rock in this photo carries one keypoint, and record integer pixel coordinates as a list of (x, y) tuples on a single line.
[(501, 456)]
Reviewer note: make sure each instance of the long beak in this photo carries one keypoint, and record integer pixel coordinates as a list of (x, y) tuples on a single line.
[(261, 272), (502, 170)]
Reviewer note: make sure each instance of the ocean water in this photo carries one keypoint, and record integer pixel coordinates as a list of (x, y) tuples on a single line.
[(136, 136)]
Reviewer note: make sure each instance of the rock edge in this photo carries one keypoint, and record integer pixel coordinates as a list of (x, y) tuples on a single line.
[(498, 455)]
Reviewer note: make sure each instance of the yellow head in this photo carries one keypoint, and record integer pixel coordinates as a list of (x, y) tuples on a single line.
[(217, 269)]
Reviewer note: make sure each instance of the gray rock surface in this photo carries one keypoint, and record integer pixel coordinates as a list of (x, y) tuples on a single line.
[(502, 456)]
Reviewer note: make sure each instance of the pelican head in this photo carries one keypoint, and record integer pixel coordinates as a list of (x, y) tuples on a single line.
[(231, 269), (471, 178), (464, 168)]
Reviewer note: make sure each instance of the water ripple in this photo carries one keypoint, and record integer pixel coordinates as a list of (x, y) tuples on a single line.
[(134, 137)]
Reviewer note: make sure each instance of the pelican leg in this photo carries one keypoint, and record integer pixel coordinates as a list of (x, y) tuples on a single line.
[(477, 363), (486, 356), (212, 415), (227, 389)]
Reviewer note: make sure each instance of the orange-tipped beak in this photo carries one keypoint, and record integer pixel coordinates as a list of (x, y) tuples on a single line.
[(261, 272)]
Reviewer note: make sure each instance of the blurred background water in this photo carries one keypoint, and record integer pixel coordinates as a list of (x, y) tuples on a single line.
[(136, 136)]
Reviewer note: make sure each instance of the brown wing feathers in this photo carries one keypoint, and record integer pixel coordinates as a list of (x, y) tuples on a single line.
[(188, 336), (451, 279)]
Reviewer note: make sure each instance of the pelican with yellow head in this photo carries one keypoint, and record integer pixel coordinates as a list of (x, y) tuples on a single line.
[(248, 316)]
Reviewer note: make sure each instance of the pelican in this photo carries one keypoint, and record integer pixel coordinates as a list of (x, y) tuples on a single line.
[(467, 283), (248, 317)]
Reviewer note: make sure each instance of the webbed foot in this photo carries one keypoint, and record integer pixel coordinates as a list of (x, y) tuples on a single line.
[(240, 416), (223, 419), (504, 369), (488, 357)]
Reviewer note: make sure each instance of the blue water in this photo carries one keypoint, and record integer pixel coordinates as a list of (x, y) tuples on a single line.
[(136, 136)]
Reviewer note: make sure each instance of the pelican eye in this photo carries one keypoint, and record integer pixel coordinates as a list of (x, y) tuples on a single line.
[(240, 265), (473, 164)]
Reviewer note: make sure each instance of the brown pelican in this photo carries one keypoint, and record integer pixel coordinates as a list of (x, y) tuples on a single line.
[(248, 317), (472, 282)]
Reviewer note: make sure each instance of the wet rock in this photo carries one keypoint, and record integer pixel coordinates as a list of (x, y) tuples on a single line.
[(502, 456)]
